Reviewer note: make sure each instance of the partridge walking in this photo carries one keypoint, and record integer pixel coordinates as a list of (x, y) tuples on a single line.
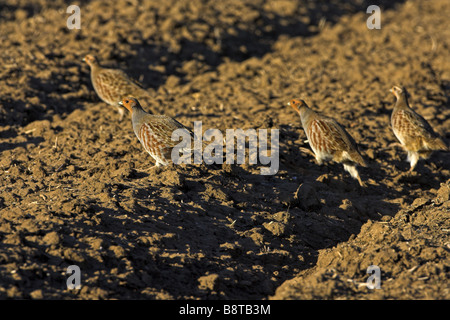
[(153, 131), (111, 85), (415, 134), (328, 140)]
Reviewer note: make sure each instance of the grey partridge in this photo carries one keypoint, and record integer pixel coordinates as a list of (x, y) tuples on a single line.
[(154, 131), (328, 139), (413, 132), (111, 85)]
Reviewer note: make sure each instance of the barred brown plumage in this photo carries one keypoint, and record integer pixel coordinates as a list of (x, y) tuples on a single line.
[(111, 85), (415, 134), (328, 140), (153, 131)]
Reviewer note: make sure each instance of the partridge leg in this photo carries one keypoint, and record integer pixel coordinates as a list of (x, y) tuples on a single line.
[(354, 173), (413, 158)]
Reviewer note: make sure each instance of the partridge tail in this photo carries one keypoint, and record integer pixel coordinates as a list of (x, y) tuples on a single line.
[(438, 144), (425, 154), (356, 157)]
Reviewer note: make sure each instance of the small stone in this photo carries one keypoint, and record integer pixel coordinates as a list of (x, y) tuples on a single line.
[(51, 238), (276, 228), (209, 282), (37, 294)]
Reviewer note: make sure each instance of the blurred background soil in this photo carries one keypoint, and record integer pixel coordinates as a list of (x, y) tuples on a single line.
[(76, 188)]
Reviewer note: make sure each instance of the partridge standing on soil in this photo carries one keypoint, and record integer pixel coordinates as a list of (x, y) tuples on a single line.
[(153, 131), (329, 140), (414, 133), (111, 85)]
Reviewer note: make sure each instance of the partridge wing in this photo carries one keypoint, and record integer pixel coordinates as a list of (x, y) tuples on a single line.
[(339, 140), (115, 84), (410, 127)]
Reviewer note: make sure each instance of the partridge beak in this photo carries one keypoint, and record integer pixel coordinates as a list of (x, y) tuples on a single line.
[(120, 103), (84, 59), (293, 106)]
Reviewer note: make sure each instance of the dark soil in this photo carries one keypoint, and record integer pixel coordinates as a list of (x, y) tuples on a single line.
[(77, 188)]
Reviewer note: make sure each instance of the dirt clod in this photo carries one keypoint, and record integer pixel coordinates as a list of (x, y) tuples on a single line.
[(77, 188)]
